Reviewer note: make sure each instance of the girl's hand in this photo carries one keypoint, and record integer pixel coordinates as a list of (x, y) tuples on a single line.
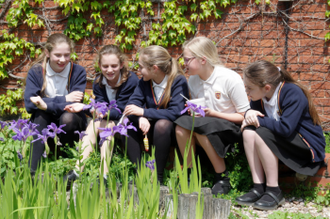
[(74, 96), (208, 112), (133, 110), (144, 125), (39, 102), (251, 118), (244, 124), (74, 108)]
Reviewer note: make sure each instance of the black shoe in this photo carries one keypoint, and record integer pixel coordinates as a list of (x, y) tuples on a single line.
[(70, 178), (249, 198), (221, 187), (272, 205)]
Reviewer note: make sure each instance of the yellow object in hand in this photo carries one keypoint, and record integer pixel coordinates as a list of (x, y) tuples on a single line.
[(146, 143)]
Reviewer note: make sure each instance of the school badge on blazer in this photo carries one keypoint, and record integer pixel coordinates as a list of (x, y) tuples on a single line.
[(217, 95)]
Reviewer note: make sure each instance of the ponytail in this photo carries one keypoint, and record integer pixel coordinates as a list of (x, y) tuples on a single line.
[(159, 56)]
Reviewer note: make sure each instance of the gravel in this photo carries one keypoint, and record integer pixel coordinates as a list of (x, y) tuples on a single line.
[(291, 205)]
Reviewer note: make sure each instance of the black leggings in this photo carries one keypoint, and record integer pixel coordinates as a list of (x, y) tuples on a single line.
[(160, 136), (73, 122)]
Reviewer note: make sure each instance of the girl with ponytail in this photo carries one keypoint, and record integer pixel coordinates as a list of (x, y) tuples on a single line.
[(54, 81), (155, 104), (282, 125)]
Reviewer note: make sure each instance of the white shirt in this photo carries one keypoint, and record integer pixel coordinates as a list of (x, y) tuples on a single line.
[(271, 106), (159, 88), (57, 82), (111, 93), (223, 91)]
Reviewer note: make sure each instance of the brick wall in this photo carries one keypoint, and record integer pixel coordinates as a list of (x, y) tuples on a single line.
[(293, 39)]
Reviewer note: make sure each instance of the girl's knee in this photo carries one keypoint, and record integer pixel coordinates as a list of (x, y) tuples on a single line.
[(249, 135), (180, 131)]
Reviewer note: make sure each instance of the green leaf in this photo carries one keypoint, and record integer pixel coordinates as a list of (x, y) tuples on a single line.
[(194, 16), (193, 7), (19, 52), (118, 38), (218, 14), (327, 36), (172, 34), (327, 13)]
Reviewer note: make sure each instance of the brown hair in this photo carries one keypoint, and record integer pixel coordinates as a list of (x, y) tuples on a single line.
[(159, 56), (113, 49), (42, 59), (262, 72)]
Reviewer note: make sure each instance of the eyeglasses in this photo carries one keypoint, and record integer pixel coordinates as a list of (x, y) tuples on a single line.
[(188, 60)]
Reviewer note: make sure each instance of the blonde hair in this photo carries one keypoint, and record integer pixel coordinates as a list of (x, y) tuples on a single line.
[(115, 50), (202, 47), (263, 72), (42, 59), (159, 56)]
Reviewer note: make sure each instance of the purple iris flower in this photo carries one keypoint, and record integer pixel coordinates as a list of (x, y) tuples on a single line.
[(194, 108), (45, 134), (94, 105), (55, 129), (1, 139), (107, 132), (81, 134), (19, 124), (122, 129), (33, 128), (113, 105), (22, 135), (3, 124), (150, 165), (19, 155)]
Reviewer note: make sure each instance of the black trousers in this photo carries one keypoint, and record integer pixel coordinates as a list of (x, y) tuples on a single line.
[(72, 121)]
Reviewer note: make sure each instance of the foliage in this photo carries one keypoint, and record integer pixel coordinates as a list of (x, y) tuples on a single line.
[(327, 142), (298, 215), (239, 170), (327, 14)]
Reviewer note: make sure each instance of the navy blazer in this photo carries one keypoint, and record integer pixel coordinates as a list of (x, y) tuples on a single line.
[(143, 96), (123, 94), (294, 118), (34, 81)]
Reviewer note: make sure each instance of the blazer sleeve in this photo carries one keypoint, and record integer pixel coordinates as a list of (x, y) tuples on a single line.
[(293, 103), (175, 105), (33, 87)]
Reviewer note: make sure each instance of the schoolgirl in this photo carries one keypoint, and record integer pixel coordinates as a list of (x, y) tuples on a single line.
[(223, 93), (282, 124), (155, 104), (53, 82), (115, 83)]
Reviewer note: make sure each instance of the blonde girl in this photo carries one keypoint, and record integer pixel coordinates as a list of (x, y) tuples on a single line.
[(155, 104), (282, 124), (54, 81), (222, 91), (114, 83)]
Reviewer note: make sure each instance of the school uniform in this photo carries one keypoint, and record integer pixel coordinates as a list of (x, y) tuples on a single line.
[(106, 93), (149, 95), (224, 92), (72, 78), (289, 130)]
